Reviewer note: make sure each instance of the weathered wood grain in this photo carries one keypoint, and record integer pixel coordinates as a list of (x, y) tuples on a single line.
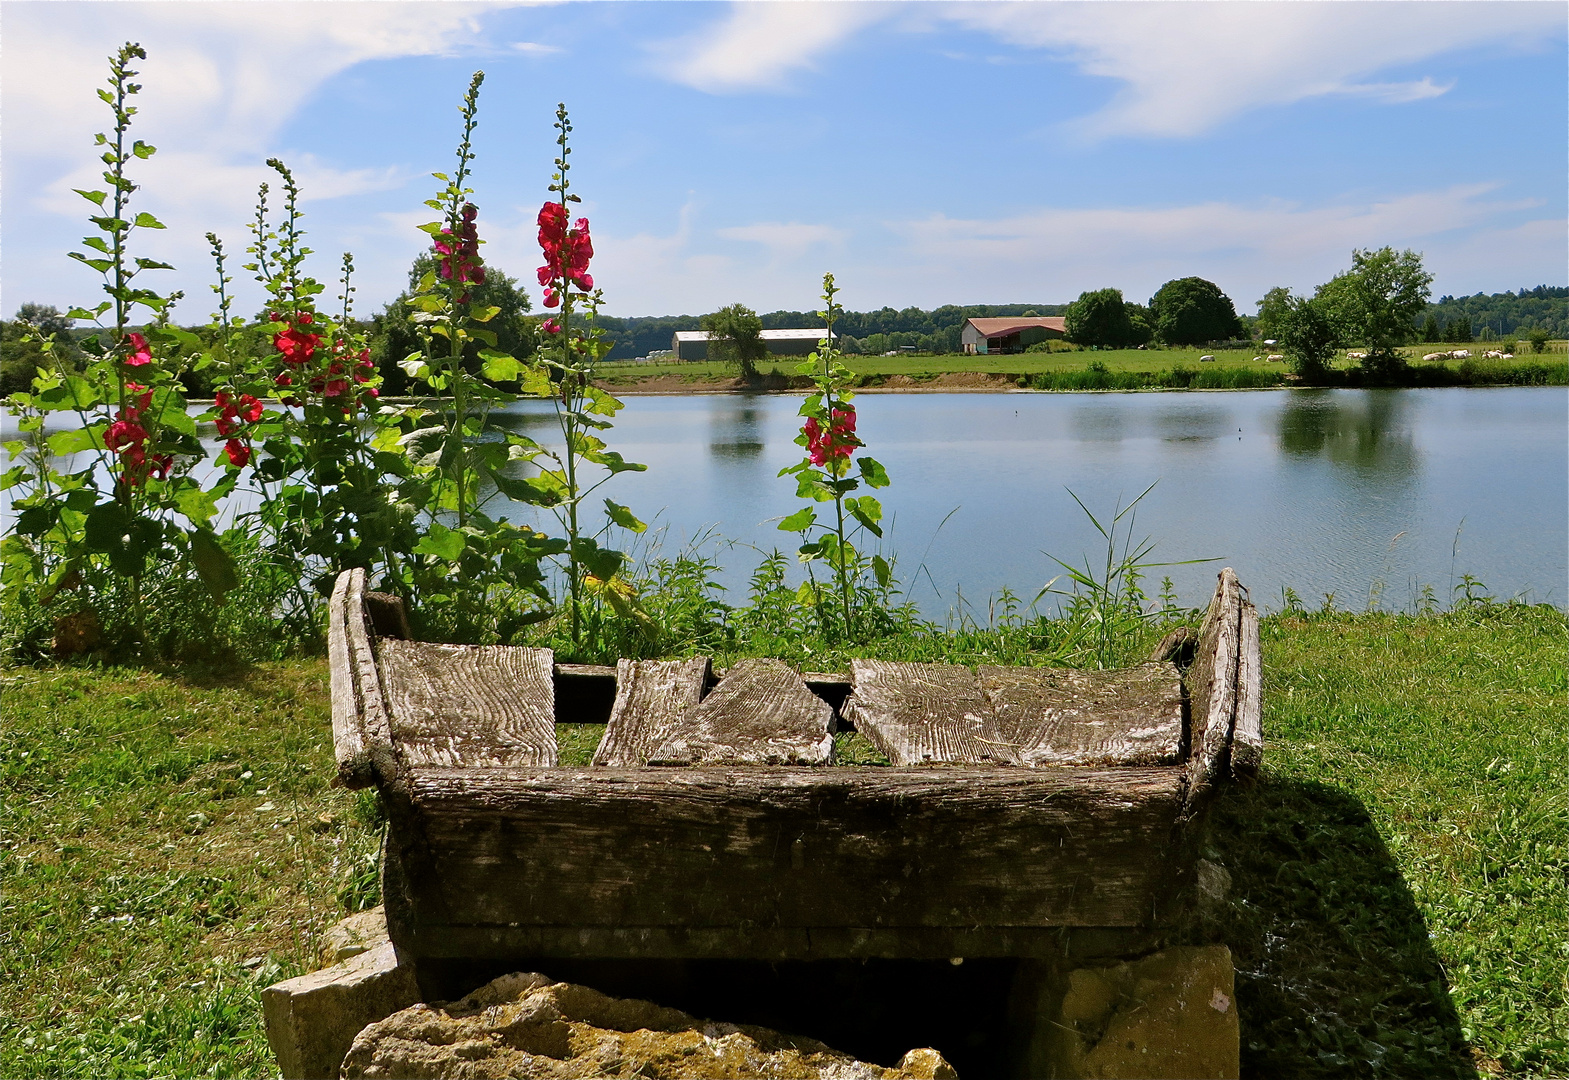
[(387, 615), (665, 855), (1063, 716), (1177, 646), (926, 714), (469, 705), (761, 713), (361, 733), (1212, 687), (1247, 734), (651, 698)]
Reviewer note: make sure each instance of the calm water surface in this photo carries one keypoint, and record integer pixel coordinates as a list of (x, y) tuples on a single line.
[(1366, 494)]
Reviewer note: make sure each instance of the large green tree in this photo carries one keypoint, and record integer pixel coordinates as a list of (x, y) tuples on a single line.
[(1308, 336), (393, 337), (1376, 304), (1191, 311), (1272, 312), (1099, 318), (735, 337)]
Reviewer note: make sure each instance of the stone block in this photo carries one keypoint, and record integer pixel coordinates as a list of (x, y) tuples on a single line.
[(1168, 1016), (354, 935), (312, 1020), (526, 1026)]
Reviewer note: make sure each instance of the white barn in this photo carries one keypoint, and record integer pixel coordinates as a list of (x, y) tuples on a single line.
[(693, 344)]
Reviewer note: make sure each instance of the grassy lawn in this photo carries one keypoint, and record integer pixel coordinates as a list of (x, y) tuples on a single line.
[(170, 846), (699, 372)]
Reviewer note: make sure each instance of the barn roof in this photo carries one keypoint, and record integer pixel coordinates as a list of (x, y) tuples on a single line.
[(999, 327), (767, 335)]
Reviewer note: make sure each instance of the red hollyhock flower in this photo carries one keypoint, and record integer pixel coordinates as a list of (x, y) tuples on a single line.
[(140, 352), (239, 453), (142, 398), (124, 434), (550, 326), (297, 346), (250, 408), (160, 465)]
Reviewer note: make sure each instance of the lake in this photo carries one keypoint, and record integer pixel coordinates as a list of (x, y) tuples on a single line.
[(1368, 495), (1365, 494)]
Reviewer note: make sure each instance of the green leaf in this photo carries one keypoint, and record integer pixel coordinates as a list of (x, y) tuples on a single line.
[(601, 562), (442, 542), (868, 511), (623, 517), (143, 151), (484, 314), (106, 527), (197, 505), (535, 491), (95, 197), (145, 220), (882, 570), (75, 440), (613, 461), (152, 264), (873, 473), (214, 565), (799, 521), (500, 366), (74, 393)]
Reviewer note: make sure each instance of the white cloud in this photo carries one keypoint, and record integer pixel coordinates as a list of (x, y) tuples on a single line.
[(758, 45), (1183, 68), (1055, 254), (784, 240)]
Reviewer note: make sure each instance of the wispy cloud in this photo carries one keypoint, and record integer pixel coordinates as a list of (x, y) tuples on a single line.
[(1058, 253), (784, 240), (759, 45), (1181, 68)]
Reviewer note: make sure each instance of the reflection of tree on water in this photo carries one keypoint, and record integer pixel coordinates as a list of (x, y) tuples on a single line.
[(735, 430), (1365, 428)]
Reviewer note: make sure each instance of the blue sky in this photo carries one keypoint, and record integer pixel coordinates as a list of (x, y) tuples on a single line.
[(926, 153)]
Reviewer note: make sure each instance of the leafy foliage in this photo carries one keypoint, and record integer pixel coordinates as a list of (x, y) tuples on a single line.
[(1191, 311), (1100, 318), (734, 338), (1376, 303)]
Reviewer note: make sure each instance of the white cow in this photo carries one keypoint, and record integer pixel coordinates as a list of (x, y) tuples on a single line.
[(1274, 358), (1356, 356), (1205, 359), (1256, 359), (1436, 356), (1460, 354)]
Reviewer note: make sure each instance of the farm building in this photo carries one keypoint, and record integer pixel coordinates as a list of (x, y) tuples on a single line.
[(693, 344), (1009, 335)]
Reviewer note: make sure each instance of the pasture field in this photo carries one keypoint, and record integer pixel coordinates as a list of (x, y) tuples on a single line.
[(701, 374), (169, 845)]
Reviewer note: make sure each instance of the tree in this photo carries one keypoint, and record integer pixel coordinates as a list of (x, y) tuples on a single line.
[(1459, 330), (1431, 331), (1307, 335), (393, 338), (19, 359), (735, 337), (1272, 312), (1538, 339), (1191, 311), (1141, 324), (1376, 303), (1099, 318)]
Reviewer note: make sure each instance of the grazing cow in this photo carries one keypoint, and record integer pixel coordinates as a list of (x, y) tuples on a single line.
[(1460, 354), (1507, 356), (1356, 356), (1256, 359), (1205, 359), (1494, 354), (1274, 358)]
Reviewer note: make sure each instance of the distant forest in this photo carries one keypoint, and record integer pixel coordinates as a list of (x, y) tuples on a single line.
[(859, 331), (1545, 307)]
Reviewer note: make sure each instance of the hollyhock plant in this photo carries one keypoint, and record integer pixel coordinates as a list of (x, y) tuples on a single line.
[(829, 438)]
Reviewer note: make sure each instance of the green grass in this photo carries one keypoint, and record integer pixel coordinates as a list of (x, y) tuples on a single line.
[(1128, 368), (170, 846)]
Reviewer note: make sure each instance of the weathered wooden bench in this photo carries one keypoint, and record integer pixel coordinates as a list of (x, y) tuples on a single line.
[(713, 823)]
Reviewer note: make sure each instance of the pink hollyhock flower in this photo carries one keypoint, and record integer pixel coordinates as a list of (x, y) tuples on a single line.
[(140, 352), (550, 326)]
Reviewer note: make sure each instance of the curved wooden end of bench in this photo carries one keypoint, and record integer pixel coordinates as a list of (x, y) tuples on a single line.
[(1225, 737), (361, 733)]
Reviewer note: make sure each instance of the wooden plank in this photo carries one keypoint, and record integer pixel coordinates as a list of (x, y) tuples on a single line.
[(1062, 716), (1177, 646), (361, 733), (761, 713), (926, 714), (651, 697), (511, 853), (1212, 687), (470, 705), (1247, 737)]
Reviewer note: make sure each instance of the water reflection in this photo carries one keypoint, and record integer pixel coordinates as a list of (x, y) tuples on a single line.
[(1195, 423), (1369, 430), (736, 429), (1096, 422)]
